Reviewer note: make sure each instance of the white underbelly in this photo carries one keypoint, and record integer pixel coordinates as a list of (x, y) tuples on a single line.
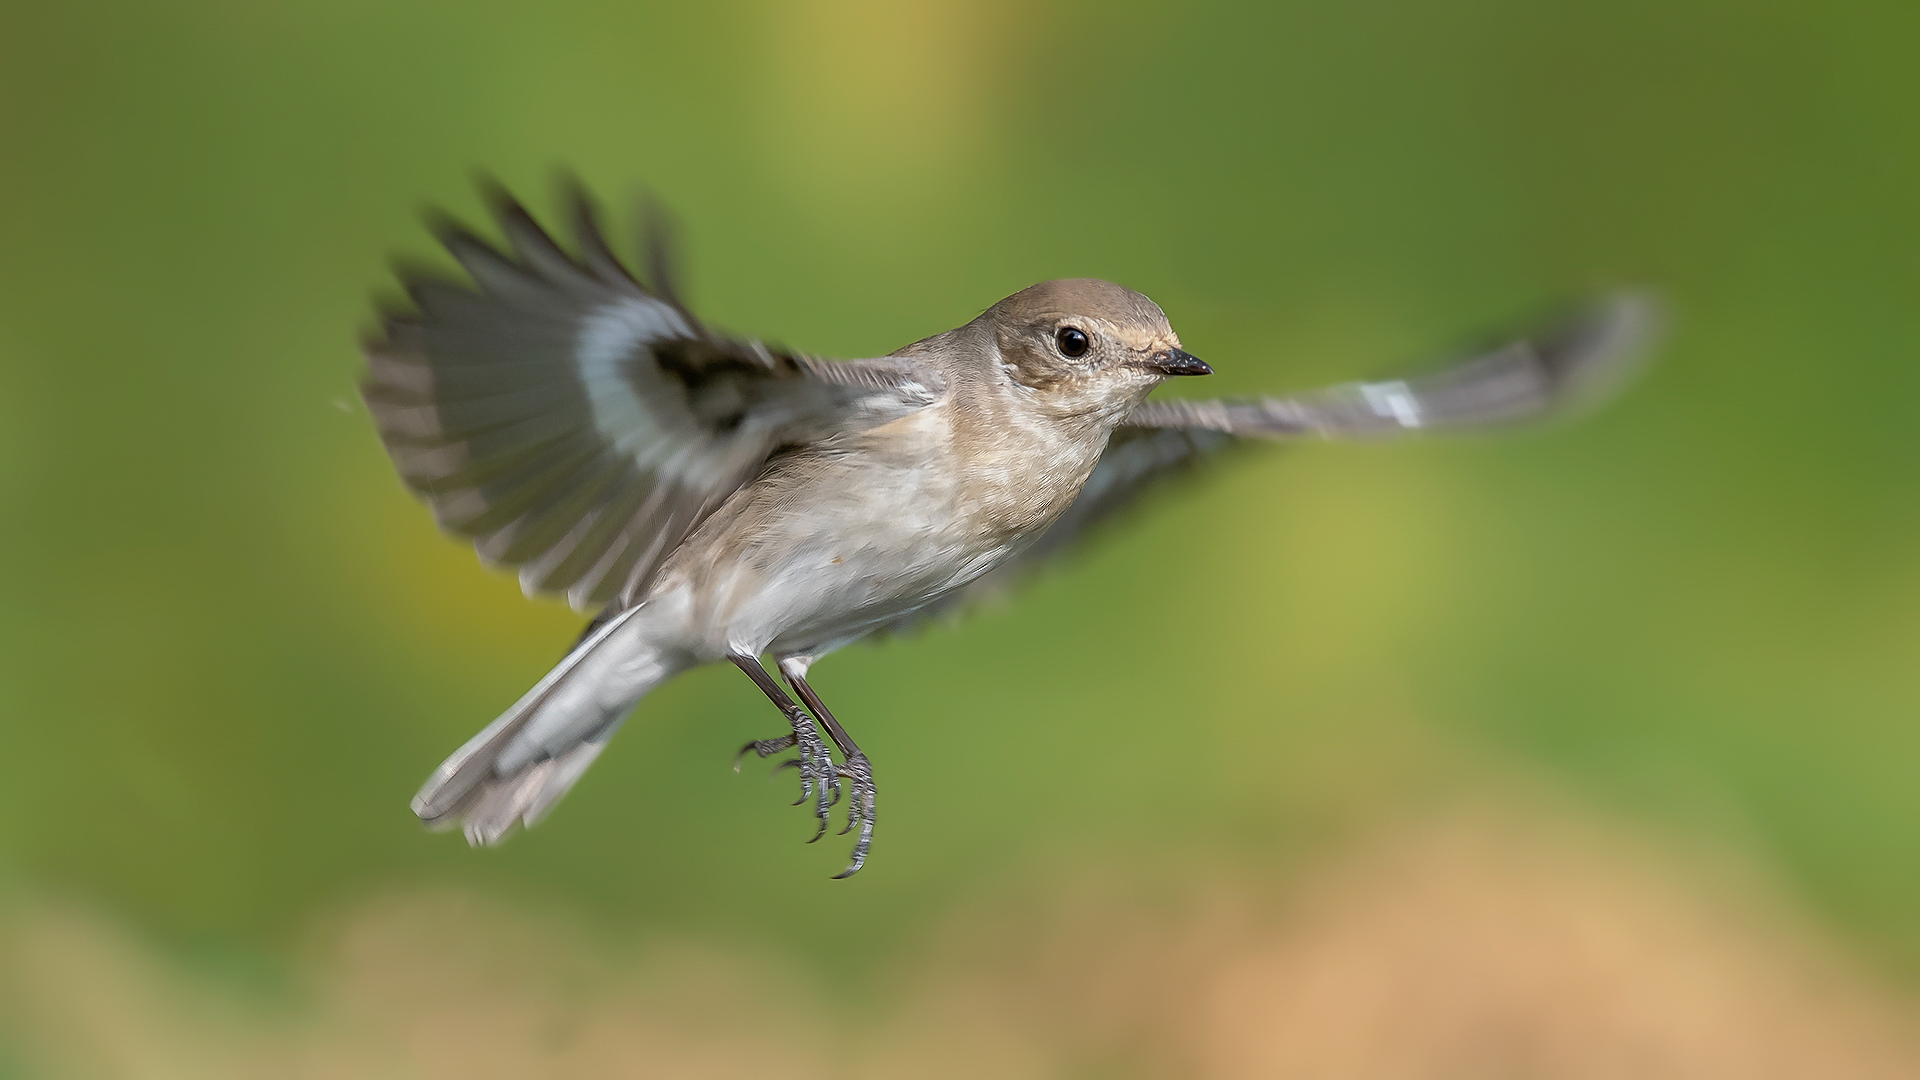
[(821, 594), (827, 607)]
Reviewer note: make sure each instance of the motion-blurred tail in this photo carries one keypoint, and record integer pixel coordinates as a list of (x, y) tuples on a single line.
[(520, 765)]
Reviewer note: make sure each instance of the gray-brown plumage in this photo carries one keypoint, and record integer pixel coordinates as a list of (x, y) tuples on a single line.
[(721, 499)]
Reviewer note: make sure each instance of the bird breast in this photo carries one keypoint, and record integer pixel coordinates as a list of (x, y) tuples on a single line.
[(1017, 473), (836, 537)]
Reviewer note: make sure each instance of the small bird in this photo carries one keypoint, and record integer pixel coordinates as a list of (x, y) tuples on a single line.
[(716, 499)]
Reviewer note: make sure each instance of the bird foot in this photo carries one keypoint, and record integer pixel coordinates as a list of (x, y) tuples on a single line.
[(819, 777), (858, 773)]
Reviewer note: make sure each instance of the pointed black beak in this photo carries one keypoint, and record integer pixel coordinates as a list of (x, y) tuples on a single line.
[(1175, 362)]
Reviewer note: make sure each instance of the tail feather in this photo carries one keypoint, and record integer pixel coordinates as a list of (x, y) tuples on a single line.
[(498, 803), (566, 769), (519, 766)]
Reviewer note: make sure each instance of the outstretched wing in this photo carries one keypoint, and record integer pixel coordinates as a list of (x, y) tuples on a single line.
[(577, 425), (1574, 361)]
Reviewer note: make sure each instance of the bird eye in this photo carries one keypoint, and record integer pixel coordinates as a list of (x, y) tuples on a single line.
[(1073, 342)]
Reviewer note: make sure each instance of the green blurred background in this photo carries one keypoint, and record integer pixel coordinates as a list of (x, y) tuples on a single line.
[(231, 645)]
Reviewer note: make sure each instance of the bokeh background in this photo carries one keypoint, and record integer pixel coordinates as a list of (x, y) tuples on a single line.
[(1589, 750)]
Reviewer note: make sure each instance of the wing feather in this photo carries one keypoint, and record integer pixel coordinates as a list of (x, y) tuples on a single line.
[(576, 425), (1573, 361)]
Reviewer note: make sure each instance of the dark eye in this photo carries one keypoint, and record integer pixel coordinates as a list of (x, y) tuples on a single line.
[(1073, 342)]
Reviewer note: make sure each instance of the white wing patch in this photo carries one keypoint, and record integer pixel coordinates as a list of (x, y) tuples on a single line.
[(576, 426), (1573, 362), (1393, 399), (604, 350)]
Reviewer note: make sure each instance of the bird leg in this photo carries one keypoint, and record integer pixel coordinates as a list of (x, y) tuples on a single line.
[(818, 777), (857, 771)]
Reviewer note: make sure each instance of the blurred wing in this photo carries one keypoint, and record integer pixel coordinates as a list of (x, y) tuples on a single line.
[(1575, 361), (577, 426)]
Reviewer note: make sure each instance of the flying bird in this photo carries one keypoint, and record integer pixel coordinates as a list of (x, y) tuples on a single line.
[(713, 498)]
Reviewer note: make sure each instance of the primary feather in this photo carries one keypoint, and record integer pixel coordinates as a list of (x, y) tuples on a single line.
[(577, 426)]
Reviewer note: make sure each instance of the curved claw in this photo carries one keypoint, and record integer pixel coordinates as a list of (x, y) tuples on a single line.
[(860, 808), (814, 762), (763, 747), (821, 805), (859, 812), (860, 847), (806, 778)]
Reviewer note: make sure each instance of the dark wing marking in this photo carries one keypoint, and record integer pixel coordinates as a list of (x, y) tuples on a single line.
[(1574, 361), (576, 425)]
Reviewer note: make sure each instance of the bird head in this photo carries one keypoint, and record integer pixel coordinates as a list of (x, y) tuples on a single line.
[(1080, 345)]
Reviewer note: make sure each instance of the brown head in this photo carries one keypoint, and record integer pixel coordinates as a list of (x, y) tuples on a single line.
[(1081, 345)]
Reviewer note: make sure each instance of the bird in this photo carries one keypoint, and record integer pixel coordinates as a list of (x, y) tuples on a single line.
[(716, 499)]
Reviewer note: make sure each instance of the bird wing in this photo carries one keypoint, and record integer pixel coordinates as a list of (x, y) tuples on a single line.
[(577, 425), (1573, 361)]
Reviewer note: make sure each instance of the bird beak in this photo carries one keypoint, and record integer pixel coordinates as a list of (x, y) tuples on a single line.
[(1175, 362)]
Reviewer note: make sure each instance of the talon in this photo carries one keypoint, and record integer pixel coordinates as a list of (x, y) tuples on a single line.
[(823, 771), (859, 855), (763, 747), (806, 777), (860, 848), (859, 774), (814, 761)]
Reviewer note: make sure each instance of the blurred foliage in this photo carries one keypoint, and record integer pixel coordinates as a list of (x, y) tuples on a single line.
[(231, 646)]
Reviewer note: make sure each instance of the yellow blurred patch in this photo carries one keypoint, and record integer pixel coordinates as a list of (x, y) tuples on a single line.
[(873, 103)]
